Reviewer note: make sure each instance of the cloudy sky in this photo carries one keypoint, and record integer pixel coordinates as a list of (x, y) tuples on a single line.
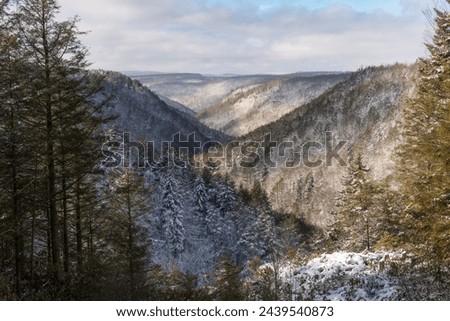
[(253, 36)]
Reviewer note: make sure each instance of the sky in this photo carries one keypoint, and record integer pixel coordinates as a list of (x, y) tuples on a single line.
[(249, 36)]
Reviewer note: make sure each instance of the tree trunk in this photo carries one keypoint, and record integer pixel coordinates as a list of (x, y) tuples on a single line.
[(51, 168), (130, 241), (65, 216), (368, 235), (17, 219), (79, 235)]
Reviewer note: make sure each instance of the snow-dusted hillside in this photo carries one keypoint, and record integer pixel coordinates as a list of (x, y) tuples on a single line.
[(211, 218), (178, 106), (363, 111), (196, 91), (344, 277), (339, 276), (347, 276), (250, 107), (209, 224), (143, 114)]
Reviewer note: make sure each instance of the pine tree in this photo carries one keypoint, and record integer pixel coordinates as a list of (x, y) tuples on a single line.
[(227, 284), (221, 215), (303, 193), (201, 196), (424, 157), (182, 287), (226, 196), (261, 202), (206, 175), (357, 207), (11, 146), (213, 222), (59, 108), (172, 214), (49, 121), (129, 203)]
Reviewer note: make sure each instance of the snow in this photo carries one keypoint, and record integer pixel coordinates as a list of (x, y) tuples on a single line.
[(248, 108), (343, 276)]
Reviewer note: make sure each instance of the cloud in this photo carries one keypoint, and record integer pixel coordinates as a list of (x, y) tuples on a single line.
[(247, 36)]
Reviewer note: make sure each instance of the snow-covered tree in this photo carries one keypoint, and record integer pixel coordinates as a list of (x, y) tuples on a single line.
[(357, 209), (172, 214), (226, 197), (201, 196)]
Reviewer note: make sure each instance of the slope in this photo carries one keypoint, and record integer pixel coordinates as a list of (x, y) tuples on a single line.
[(362, 112), (145, 116), (196, 91), (250, 107)]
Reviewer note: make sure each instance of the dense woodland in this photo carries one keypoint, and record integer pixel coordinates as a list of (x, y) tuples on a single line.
[(73, 229)]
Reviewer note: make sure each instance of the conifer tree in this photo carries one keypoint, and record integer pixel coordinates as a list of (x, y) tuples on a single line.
[(206, 175), (227, 282), (11, 146), (226, 196), (172, 214), (129, 203), (424, 156), (182, 286), (201, 196), (50, 119), (357, 207), (261, 202)]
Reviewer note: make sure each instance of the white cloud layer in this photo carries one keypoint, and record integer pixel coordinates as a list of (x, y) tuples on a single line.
[(247, 37)]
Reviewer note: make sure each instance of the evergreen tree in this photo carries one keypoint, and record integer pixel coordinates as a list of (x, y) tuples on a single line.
[(424, 157), (221, 215), (128, 203), (206, 175), (227, 284), (244, 194), (59, 108), (201, 196), (265, 283), (213, 221), (357, 207), (261, 202), (12, 149), (183, 287), (172, 214), (49, 121), (258, 194), (303, 193), (226, 196), (11, 152)]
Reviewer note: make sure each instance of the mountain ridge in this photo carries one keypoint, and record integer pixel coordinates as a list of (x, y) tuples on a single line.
[(249, 107), (146, 116), (365, 111)]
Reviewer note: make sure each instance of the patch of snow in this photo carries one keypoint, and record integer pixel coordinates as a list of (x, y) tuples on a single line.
[(342, 276)]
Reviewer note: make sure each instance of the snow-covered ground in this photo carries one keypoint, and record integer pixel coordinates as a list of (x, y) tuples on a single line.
[(343, 276)]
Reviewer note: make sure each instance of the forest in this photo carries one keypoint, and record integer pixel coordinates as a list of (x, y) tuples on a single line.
[(74, 229)]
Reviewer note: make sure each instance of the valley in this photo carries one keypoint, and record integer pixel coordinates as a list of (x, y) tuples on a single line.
[(363, 109), (265, 185)]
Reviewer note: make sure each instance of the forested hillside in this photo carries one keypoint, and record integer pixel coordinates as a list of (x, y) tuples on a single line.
[(250, 107), (351, 203)]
